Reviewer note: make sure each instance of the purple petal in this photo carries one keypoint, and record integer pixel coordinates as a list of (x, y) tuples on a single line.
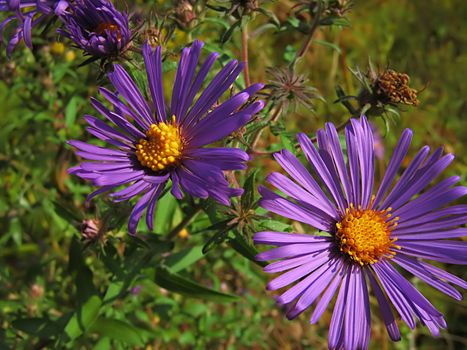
[(310, 288), (128, 89), (284, 207), (279, 238), (327, 297), (293, 250), (415, 268), (298, 172), (399, 153), (153, 63), (385, 308), (298, 272), (321, 170), (139, 209)]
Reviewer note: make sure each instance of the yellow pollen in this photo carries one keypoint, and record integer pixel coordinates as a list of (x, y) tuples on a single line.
[(364, 234), (102, 27), (162, 148)]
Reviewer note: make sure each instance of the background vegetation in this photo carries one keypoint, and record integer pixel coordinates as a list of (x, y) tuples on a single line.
[(59, 290)]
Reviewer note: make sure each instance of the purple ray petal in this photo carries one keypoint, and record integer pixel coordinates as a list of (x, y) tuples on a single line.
[(385, 308), (279, 238), (415, 268), (399, 153)]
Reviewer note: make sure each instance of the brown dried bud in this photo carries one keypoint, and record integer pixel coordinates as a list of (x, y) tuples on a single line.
[(36, 291), (185, 13)]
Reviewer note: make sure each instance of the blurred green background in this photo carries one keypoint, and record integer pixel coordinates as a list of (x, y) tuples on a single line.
[(45, 274)]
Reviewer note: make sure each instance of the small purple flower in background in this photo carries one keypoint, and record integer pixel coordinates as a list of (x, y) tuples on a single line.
[(27, 14), (377, 141), (167, 143), (96, 27), (367, 234), (136, 289)]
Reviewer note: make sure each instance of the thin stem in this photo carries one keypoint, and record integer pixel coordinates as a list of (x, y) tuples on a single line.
[(257, 136), (186, 220), (314, 26), (246, 70)]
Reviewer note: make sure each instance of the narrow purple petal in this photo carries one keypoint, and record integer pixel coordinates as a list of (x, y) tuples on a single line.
[(279, 238), (293, 250), (385, 308), (399, 153), (415, 268)]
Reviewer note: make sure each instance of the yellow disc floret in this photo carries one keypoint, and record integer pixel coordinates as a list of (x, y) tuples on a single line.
[(162, 148), (364, 234)]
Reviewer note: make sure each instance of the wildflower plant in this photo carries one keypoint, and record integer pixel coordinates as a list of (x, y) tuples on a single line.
[(196, 183)]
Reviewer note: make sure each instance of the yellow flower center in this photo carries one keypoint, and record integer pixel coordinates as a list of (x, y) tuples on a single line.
[(162, 147), (364, 234)]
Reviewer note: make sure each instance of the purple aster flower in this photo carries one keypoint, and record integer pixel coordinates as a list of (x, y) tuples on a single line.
[(367, 235), (96, 27), (167, 142), (27, 14)]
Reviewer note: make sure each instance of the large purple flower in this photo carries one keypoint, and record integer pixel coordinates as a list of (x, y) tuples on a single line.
[(97, 27), (366, 234), (27, 13), (167, 143)]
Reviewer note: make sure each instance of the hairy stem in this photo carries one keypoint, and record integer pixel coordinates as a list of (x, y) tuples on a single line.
[(314, 26), (246, 70), (258, 133)]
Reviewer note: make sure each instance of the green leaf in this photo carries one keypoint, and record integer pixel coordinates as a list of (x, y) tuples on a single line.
[(273, 225), (270, 15), (181, 260), (83, 319), (229, 32), (287, 143), (71, 111), (244, 248), (67, 213), (328, 44), (220, 230), (39, 327), (117, 330), (167, 207), (335, 20), (179, 284), (248, 197)]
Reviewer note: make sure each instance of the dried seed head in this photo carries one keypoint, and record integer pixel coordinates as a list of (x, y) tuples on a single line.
[(394, 87), (287, 87)]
